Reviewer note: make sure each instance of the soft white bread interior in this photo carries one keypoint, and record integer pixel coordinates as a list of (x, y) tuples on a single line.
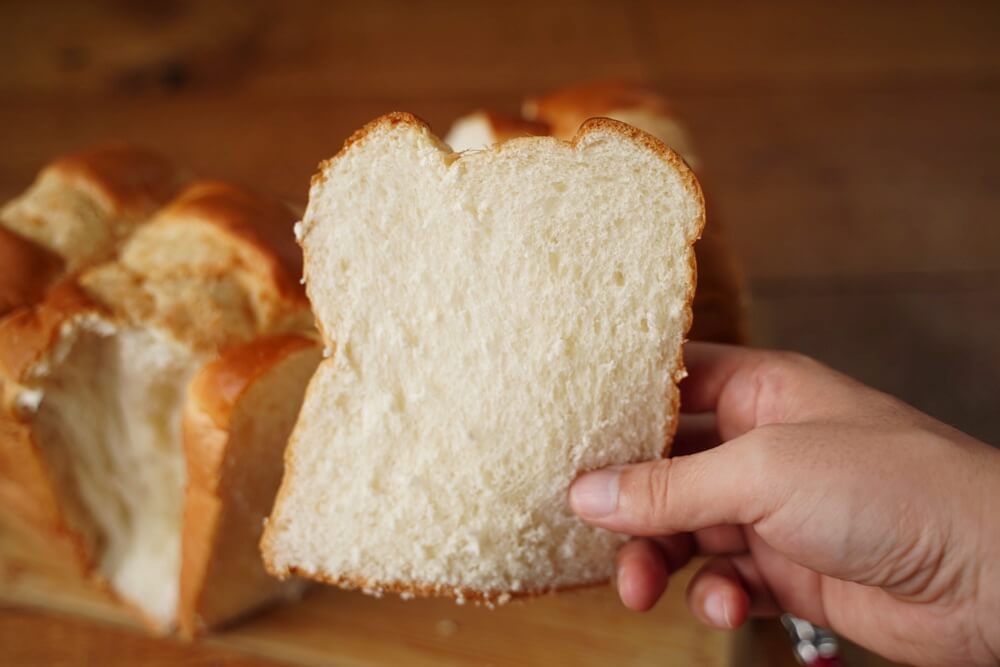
[(95, 379), (504, 319), (481, 129), (240, 411), (111, 400)]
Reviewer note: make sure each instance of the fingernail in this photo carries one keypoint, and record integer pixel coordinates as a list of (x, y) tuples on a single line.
[(595, 494), (715, 610)]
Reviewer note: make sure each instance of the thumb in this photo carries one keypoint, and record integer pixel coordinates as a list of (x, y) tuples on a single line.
[(729, 484)]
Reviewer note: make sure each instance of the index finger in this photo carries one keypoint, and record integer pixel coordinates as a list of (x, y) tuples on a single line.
[(723, 379), (748, 387)]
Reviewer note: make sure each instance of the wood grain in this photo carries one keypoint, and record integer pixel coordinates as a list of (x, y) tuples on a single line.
[(586, 627)]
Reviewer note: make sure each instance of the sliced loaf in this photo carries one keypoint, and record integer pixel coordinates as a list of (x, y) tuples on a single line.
[(96, 376)]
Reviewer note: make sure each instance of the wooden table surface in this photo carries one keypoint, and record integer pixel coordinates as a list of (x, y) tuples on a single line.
[(853, 150)]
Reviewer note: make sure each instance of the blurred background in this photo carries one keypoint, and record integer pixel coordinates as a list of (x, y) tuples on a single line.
[(851, 149)]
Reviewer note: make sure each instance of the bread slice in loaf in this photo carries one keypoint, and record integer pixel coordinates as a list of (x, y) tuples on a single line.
[(504, 319), (96, 377), (76, 213), (240, 410), (82, 204)]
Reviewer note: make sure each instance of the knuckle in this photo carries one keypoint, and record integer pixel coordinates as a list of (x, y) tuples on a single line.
[(762, 455), (796, 362), (644, 492)]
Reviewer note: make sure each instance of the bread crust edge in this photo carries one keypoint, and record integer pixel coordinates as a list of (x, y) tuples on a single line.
[(593, 125)]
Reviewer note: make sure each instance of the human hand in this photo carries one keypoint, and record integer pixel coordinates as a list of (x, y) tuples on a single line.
[(828, 499)]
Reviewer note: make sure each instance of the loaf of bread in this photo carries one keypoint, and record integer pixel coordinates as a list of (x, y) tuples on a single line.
[(77, 211), (499, 321), (719, 304), (95, 381)]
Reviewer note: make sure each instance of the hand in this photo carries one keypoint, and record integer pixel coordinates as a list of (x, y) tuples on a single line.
[(828, 500)]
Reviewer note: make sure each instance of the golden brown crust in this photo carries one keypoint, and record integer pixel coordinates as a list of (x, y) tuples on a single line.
[(28, 271), (100, 193), (425, 590), (262, 224), (221, 383), (390, 119), (221, 573), (29, 332), (564, 110), (130, 181)]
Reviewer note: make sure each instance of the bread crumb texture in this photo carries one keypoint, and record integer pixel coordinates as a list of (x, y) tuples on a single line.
[(504, 320)]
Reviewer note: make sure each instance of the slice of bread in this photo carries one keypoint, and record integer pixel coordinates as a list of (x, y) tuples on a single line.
[(504, 319), (240, 411), (95, 381), (80, 207)]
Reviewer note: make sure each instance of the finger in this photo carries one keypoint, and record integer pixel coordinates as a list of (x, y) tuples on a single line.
[(720, 540), (741, 385), (641, 574), (762, 600), (730, 484), (748, 388), (709, 368), (676, 549), (695, 433), (717, 596)]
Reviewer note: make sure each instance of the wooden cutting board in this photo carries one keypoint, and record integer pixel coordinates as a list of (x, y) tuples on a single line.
[(333, 627)]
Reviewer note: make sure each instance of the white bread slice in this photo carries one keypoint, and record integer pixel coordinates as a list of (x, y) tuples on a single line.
[(481, 129), (504, 320), (95, 379), (240, 411)]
